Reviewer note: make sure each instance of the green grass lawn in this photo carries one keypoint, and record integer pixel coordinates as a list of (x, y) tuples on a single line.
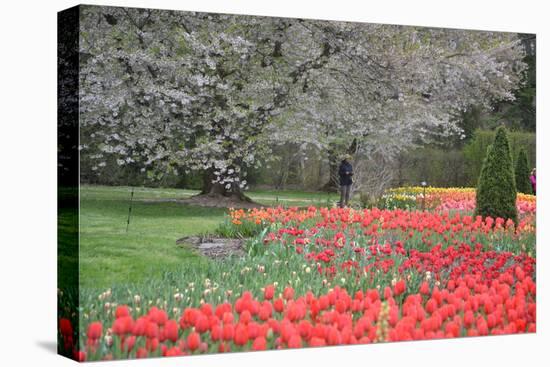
[(293, 198), (109, 255)]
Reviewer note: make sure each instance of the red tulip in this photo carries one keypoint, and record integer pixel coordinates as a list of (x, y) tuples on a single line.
[(295, 341), (399, 287), (468, 318), (387, 293), (122, 311), (65, 327), (206, 309), (152, 330), (424, 288), (334, 337), (324, 302), (216, 333), (202, 324), (278, 305), (317, 342), (259, 343), (241, 335), (193, 340), (128, 344), (152, 344), (269, 292), (171, 330), (123, 325), (80, 356), (265, 311), (139, 326), (141, 353), (245, 317), (173, 352), (228, 332), (94, 330), (224, 348), (288, 293), (227, 318)]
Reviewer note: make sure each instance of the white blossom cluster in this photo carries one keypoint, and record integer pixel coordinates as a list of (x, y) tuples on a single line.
[(210, 93)]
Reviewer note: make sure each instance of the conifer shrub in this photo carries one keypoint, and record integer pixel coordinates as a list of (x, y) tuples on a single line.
[(496, 188)]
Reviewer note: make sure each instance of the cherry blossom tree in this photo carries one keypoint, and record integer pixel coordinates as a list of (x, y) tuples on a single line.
[(210, 93), (171, 90), (390, 88)]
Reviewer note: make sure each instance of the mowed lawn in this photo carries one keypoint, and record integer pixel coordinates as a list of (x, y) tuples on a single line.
[(109, 255)]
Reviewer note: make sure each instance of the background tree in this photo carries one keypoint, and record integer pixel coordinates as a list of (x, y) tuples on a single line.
[(476, 150), (523, 184), (496, 189)]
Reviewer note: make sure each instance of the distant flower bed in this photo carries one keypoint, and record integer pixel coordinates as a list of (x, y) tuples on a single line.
[(440, 199)]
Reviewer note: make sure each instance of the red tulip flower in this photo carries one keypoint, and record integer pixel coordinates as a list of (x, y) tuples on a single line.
[(288, 293), (122, 311), (80, 356), (141, 353), (295, 341), (94, 330), (241, 335), (399, 287), (193, 341), (171, 330), (269, 292), (259, 343)]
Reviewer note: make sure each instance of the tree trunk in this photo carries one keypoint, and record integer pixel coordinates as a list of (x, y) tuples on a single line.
[(303, 172), (331, 185), (283, 170), (218, 190)]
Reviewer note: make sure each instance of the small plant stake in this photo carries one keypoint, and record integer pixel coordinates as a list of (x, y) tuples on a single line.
[(424, 195), (130, 210)]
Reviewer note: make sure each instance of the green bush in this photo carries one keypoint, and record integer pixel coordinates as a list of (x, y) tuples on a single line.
[(496, 189), (439, 166), (523, 184)]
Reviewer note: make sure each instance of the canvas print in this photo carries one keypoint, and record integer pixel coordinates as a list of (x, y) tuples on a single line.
[(234, 183)]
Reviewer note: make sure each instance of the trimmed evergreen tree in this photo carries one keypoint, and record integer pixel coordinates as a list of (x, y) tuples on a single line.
[(523, 184), (496, 188)]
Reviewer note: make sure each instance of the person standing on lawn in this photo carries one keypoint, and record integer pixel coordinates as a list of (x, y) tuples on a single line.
[(533, 179), (345, 172)]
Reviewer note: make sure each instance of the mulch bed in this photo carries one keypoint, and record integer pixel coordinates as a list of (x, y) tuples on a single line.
[(214, 247)]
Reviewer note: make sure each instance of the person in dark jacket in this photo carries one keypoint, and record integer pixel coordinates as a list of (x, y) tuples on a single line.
[(345, 172)]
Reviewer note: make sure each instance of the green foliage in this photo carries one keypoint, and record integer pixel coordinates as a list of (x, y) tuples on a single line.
[(470, 120), (439, 167), (523, 184), (244, 230), (496, 189), (369, 201), (521, 113), (475, 150)]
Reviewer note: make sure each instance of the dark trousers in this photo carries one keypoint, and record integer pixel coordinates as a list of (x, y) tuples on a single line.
[(345, 191)]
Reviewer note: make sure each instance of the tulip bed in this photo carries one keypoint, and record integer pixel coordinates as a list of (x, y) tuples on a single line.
[(319, 276), (439, 199)]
